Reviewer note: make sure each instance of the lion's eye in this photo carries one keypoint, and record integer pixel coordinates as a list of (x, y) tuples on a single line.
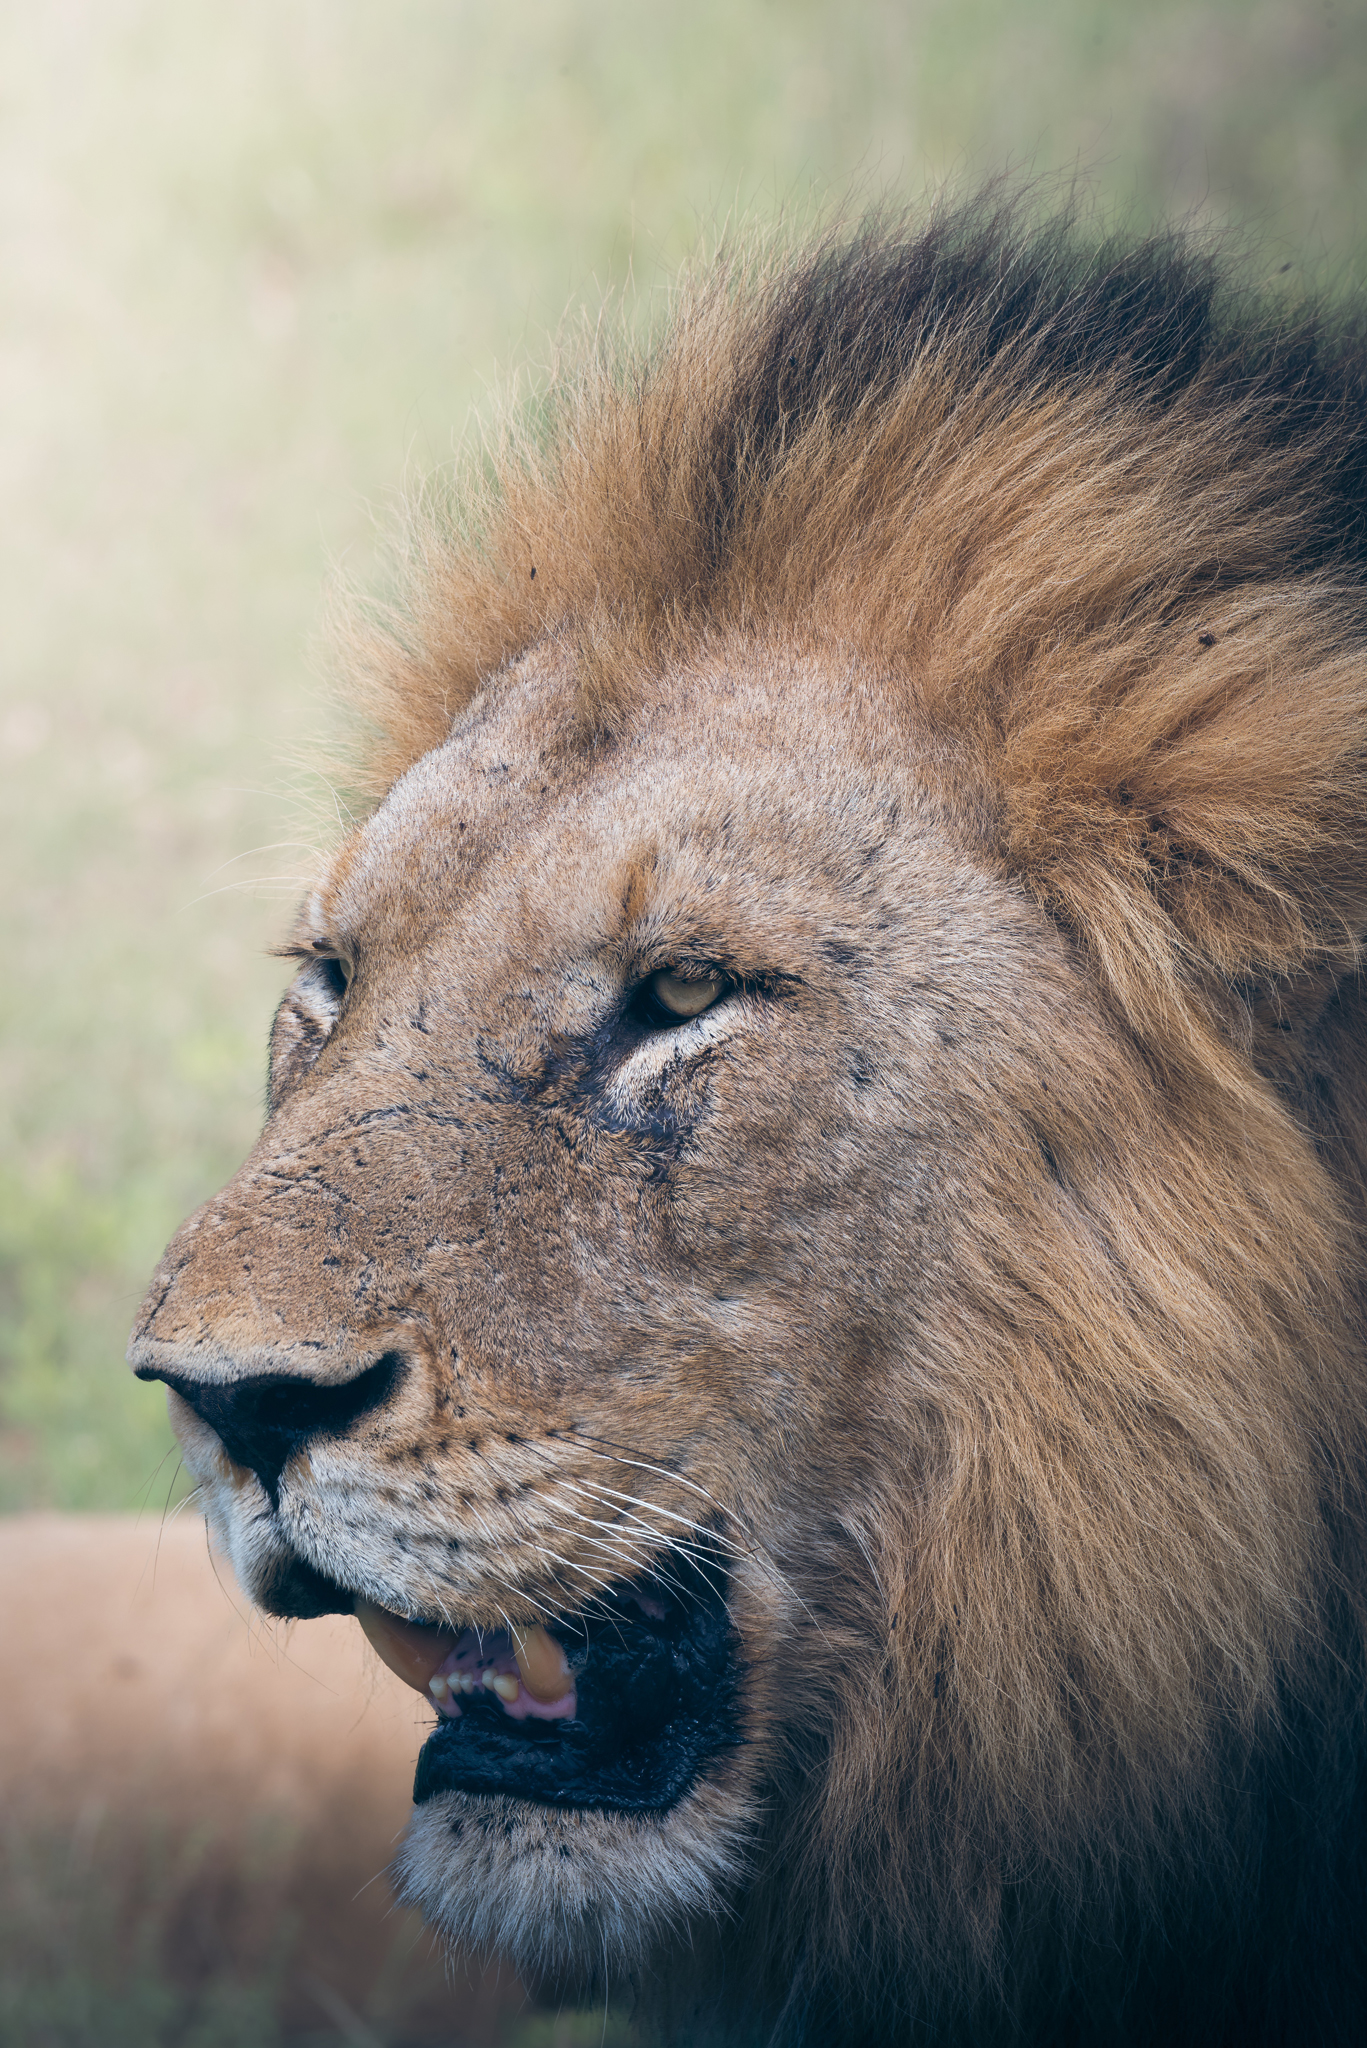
[(336, 977), (673, 998)]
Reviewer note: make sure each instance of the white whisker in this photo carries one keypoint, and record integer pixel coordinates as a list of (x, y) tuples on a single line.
[(653, 1507)]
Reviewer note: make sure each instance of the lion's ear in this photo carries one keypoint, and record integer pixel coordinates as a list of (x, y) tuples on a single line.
[(1193, 807)]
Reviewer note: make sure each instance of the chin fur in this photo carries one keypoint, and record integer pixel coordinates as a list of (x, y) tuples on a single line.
[(576, 1900)]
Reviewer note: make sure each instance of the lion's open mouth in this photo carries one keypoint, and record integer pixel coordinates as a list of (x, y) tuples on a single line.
[(617, 1707)]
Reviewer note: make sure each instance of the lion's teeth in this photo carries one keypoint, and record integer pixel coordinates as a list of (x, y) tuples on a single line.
[(411, 1649), (506, 1686), (438, 1687), (541, 1661)]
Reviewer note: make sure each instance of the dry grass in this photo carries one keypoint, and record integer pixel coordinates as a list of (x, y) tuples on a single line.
[(198, 1815)]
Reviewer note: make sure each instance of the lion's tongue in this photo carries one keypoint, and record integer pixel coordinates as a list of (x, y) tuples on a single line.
[(526, 1671)]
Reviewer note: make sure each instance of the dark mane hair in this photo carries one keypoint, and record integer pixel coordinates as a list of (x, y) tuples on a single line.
[(854, 318), (1075, 501), (639, 491)]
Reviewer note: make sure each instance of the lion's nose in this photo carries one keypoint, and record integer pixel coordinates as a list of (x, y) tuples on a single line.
[(263, 1422)]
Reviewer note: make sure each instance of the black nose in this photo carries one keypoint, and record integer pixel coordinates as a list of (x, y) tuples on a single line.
[(262, 1422)]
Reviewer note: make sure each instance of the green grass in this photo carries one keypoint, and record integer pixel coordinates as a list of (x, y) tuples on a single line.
[(259, 264)]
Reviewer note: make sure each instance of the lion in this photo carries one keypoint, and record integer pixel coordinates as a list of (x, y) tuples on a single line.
[(804, 1273)]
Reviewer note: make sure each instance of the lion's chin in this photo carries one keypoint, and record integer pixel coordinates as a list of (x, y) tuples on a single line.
[(575, 1898)]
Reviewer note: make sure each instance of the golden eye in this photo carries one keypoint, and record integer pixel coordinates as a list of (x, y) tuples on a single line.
[(680, 998)]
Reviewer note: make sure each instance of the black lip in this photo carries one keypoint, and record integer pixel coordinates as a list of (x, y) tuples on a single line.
[(294, 1591), (656, 1698)]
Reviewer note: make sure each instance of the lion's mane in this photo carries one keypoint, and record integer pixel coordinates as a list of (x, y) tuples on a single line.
[(1080, 1741)]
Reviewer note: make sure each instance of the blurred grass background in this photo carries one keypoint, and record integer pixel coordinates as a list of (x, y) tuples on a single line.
[(259, 264)]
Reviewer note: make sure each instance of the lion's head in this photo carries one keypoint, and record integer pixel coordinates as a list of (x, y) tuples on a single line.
[(802, 1270)]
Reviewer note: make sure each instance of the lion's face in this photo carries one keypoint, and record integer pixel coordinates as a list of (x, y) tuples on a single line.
[(617, 1149), (803, 1277)]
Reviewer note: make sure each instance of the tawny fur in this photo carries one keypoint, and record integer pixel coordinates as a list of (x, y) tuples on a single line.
[(962, 636)]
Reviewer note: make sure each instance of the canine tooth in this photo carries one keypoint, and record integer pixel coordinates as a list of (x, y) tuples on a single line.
[(411, 1649), (506, 1686), (542, 1664)]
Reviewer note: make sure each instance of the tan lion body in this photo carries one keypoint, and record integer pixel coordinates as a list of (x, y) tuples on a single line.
[(977, 1282)]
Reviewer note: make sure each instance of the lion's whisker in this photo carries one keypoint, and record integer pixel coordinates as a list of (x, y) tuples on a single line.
[(616, 1455), (700, 1529), (644, 1559)]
